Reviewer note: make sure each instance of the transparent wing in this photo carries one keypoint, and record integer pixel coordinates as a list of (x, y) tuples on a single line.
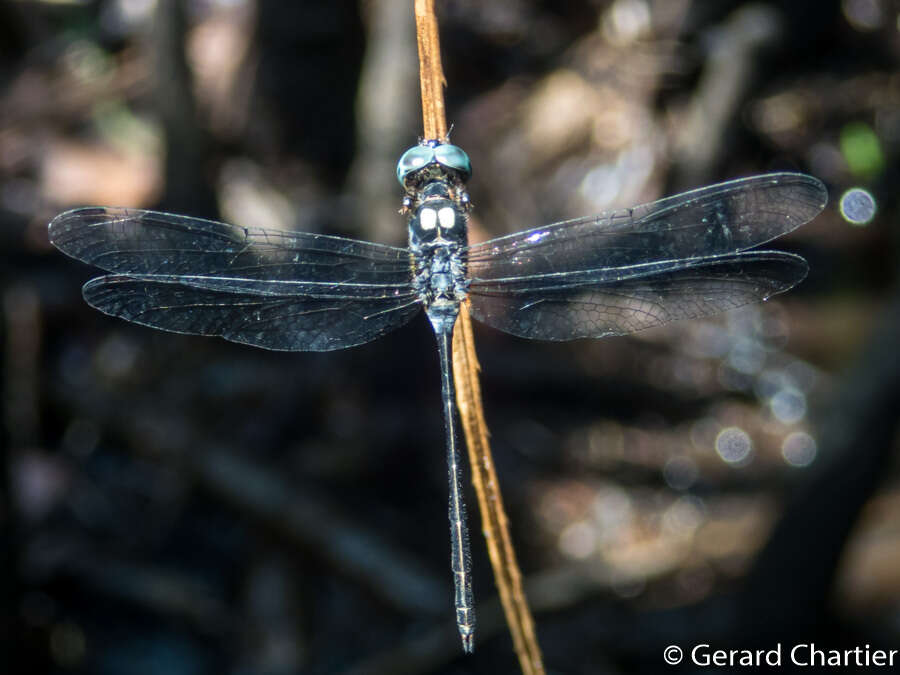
[(314, 320), (627, 270), (132, 241), (714, 220), (272, 289), (668, 291)]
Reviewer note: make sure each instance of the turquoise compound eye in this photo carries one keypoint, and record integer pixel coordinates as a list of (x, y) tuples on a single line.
[(420, 156), (413, 160), (453, 157)]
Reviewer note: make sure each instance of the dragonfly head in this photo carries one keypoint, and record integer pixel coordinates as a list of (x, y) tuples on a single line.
[(433, 160)]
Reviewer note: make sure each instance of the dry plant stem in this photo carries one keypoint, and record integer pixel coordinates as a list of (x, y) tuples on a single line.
[(431, 73), (465, 372)]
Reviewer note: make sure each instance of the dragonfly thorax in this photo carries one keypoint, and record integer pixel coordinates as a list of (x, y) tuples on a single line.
[(437, 220), (437, 241)]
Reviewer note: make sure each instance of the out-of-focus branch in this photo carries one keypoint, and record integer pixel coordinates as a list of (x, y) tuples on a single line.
[(726, 80)]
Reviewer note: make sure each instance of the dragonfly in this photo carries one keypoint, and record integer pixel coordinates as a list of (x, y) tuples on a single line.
[(682, 257)]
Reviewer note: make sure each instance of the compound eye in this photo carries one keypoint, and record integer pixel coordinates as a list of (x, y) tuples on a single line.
[(412, 160), (427, 219), (454, 157), (447, 218)]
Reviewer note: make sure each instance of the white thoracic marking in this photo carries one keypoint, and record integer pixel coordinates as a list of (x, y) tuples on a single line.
[(447, 216), (427, 219)]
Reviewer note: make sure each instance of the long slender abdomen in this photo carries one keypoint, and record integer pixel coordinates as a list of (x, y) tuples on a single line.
[(460, 557)]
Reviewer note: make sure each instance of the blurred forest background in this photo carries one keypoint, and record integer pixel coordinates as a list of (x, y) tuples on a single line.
[(179, 505)]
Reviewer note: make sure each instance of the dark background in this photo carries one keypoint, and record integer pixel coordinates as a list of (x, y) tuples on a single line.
[(181, 505)]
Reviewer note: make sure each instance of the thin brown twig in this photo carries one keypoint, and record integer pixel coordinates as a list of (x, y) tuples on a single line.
[(431, 72), (495, 524)]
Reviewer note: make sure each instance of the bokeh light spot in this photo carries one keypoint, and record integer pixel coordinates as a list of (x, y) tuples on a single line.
[(799, 449), (863, 15), (858, 206), (734, 446), (788, 405), (683, 517), (680, 472), (861, 149), (578, 540)]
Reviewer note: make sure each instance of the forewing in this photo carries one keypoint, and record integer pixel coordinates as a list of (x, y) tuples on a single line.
[(298, 319), (593, 308), (716, 220), (133, 241)]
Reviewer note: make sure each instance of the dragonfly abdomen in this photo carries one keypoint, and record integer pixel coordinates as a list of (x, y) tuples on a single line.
[(442, 284)]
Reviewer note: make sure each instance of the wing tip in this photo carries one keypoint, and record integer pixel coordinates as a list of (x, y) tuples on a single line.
[(67, 221), (815, 195)]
